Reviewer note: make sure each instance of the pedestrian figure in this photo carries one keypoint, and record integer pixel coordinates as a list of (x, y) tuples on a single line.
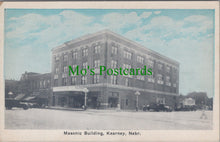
[(203, 115)]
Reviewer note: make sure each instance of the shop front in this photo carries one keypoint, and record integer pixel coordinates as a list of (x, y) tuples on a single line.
[(69, 96)]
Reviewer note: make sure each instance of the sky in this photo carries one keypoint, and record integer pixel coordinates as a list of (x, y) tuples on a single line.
[(186, 36)]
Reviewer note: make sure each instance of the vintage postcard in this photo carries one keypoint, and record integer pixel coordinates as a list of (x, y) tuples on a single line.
[(109, 71)]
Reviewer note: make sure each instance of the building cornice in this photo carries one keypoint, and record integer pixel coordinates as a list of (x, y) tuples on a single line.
[(108, 32)]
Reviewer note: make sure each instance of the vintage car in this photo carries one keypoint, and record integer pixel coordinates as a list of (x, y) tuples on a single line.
[(11, 102), (158, 107)]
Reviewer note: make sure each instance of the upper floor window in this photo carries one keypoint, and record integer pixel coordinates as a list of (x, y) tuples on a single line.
[(140, 59), (55, 76), (64, 81), (151, 78), (57, 58), (127, 54), (74, 67), (96, 63), (75, 54), (57, 70), (85, 64), (41, 84), (126, 81), (168, 83), (65, 57), (113, 79), (45, 83), (160, 79), (140, 77), (113, 64), (168, 69), (96, 79), (85, 52), (65, 69), (97, 48), (84, 80), (73, 80), (150, 63), (126, 66), (160, 66), (114, 49)]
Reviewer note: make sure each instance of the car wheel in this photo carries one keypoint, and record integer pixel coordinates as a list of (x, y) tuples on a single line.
[(25, 107)]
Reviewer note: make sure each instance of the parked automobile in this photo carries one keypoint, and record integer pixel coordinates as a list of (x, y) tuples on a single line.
[(186, 108), (33, 105), (158, 107), (10, 103)]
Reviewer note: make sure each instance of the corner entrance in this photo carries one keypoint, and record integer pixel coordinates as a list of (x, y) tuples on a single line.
[(113, 102)]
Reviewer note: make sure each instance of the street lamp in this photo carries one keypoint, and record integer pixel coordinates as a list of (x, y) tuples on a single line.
[(137, 93), (85, 90)]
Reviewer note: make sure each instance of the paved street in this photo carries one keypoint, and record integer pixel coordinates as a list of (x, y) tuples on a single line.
[(105, 119)]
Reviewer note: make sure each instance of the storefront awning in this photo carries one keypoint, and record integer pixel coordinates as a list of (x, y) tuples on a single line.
[(69, 88)]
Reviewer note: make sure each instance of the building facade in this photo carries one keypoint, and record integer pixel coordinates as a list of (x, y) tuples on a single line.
[(36, 86), (108, 91)]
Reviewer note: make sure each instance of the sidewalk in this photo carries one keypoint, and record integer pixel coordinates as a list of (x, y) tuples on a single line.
[(90, 109), (65, 108)]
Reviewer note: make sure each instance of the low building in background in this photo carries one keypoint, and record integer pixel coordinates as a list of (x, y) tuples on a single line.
[(188, 102), (34, 87)]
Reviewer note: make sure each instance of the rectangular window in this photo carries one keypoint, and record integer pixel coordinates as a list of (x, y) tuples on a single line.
[(65, 57), (150, 63), (64, 81), (140, 77), (140, 59), (84, 80), (57, 70), (73, 80), (96, 79), (127, 55), (126, 82), (160, 66), (113, 64), (85, 52), (97, 49), (168, 83), (41, 84), (96, 63), (160, 79), (57, 58), (45, 84), (65, 69), (113, 79), (75, 54), (151, 78), (168, 69), (114, 50), (85, 65)]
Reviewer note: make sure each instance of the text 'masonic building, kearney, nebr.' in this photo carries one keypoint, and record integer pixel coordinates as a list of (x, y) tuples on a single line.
[(108, 91)]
